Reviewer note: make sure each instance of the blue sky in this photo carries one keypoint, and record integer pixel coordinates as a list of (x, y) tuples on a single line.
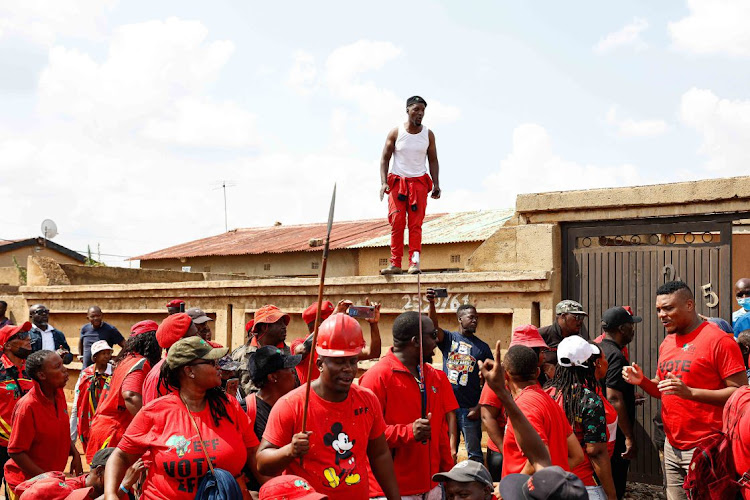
[(120, 119)]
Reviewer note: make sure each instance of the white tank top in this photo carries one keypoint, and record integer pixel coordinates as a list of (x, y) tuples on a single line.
[(410, 156)]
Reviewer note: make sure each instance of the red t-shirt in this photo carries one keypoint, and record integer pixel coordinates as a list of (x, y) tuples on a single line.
[(53, 484), (336, 464), (112, 416), (398, 392), (150, 382), (489, 398), (739, 405), (303, 365), (611, 415), (10, 393), (549, 420), (41, 429), (163, 433), (702, 359)]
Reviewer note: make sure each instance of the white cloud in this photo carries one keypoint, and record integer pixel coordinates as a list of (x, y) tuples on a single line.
[(724, 126), (714, 27), (43, 21), (628, 36), (303, 76), (532, 166), (629, 127)]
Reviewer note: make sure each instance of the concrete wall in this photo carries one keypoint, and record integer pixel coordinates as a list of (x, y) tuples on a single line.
[(340, 263), (22, 254), (10, 276), (87, 275), (433, 257)]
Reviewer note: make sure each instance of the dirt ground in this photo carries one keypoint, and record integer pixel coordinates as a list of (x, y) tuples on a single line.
[(639, 491)]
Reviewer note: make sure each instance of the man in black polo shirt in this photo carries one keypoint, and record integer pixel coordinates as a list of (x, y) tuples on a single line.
[(96, 329), (569, 316), (619, 328)]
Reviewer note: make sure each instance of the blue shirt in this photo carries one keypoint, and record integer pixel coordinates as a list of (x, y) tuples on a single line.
[(460, 356), (90, 335)]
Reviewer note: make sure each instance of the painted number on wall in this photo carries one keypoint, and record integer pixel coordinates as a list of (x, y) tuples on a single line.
[(451, 302), (712, 300)]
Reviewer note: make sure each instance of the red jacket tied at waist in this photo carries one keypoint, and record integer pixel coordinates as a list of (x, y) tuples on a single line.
[(402, 185)]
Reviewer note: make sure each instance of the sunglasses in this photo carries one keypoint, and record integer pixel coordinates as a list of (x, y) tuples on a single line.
[(41, 311), (213, 362)]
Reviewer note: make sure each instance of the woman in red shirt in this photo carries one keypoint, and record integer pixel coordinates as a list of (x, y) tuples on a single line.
[(124, 397), (165, 434), (40, 436)]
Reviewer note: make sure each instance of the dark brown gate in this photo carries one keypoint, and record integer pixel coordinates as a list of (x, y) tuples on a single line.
[(607, 265)]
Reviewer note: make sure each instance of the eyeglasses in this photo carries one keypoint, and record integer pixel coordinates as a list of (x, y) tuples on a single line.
[(41, 311), (213, 362)]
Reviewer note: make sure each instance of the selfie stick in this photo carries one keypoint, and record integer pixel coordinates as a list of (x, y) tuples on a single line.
[(317, 313)]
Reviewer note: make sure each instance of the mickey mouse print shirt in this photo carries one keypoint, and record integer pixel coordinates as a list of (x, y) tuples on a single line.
[(336, 464)]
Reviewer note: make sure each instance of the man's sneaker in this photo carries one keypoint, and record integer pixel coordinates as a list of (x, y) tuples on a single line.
[(413, 270), (391, 270)]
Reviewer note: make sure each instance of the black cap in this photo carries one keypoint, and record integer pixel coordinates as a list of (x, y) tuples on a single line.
[(467, 471), (269, 359), (415, 99), (548, 483), (101, 457), (618, 316)]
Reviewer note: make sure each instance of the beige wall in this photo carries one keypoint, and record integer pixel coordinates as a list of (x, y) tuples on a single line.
[(22, 254), (740, 257), (433, 257), (340, 263)]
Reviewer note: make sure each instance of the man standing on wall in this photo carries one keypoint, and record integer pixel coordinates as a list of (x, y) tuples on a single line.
[(408, 183)]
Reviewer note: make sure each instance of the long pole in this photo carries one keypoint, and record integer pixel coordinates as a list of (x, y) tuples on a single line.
[(323, 263), (226, 225), (422, 388)]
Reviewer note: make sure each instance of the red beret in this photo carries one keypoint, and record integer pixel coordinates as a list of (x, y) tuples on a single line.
[(175, 303), (527, 335), (173, 329), (8, 331), (269, 314), (143, 327), (308, 315), (249, 326)]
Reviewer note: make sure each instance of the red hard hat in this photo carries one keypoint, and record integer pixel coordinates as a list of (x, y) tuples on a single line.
[(340, 336)]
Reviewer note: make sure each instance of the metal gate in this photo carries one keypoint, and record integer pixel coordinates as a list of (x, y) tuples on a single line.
[(617, 264)]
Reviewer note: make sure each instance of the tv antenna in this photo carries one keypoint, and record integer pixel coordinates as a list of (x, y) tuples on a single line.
[(224, 185), (49, 230)]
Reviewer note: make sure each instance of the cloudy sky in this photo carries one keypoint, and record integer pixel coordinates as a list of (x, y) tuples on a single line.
[(121, 119)]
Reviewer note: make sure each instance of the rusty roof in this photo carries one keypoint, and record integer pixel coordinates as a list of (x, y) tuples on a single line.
[(437, 228)]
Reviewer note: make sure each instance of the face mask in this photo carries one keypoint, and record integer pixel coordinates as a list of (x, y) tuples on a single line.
[(745, 303)]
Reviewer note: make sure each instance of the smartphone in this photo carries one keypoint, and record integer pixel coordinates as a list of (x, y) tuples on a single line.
[(362, 312), (440, 292), (232, 386)]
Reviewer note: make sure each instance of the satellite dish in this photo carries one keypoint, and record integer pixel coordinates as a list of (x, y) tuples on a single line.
[(49, 229)]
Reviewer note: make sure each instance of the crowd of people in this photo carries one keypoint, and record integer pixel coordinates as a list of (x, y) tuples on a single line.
[(174, 410)]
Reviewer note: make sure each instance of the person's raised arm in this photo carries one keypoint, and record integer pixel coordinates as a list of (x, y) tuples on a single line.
[(430, 296), (634, 375), (373, 349), (381, 463), (385, 160), (432, 159), (675, 386), (272, 460), (527, 438)]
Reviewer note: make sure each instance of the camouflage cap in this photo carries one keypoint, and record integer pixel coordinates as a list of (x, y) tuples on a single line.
[(187, 350), (569, 306)]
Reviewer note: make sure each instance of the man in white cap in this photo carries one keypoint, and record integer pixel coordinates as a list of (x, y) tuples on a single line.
[(88, 388)]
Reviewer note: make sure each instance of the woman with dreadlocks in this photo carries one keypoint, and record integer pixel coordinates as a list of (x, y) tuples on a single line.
[(123, 398), (574, 387), (169, 431)]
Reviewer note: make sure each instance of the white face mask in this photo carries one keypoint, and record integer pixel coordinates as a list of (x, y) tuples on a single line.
[(744, 302)]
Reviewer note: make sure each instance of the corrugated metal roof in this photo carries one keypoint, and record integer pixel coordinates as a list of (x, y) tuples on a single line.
[(437, 228)]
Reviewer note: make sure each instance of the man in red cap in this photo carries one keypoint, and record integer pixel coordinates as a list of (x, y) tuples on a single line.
[(14, 383), (173, 328), (175, 306), (493, 414), (268, 328), (415, 441), (303, 346), (345, 426)]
